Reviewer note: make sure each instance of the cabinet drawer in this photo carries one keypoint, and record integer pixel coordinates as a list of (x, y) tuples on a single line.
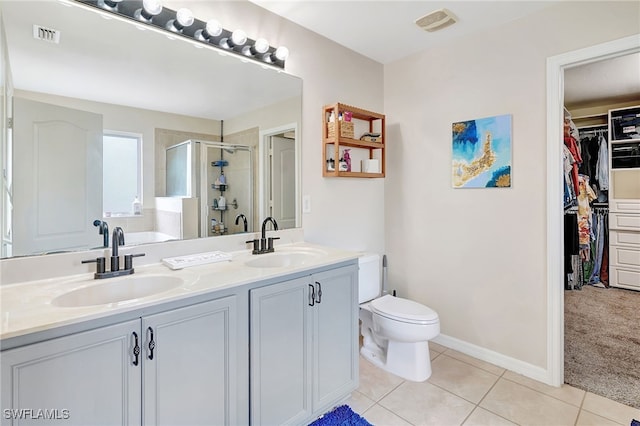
[(631, 206), (625, 278), (625, 256), (624, 221), (627, 238)]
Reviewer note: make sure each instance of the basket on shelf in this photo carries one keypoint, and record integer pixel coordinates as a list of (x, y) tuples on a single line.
[(346, 129)]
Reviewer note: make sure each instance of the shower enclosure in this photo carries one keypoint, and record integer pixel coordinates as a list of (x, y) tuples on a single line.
[(219, 176)]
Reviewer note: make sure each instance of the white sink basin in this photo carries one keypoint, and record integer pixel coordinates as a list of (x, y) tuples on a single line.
[(125, 289), (285, 258)]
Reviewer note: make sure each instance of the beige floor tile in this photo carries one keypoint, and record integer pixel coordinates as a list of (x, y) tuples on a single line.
[(586, 418), (482, 417), (526, 406), (380, 416), (433, 346), (475, 362), (359, 402), (425, 404), (461, 379), (375, 382), (609, 409), (566, 393)]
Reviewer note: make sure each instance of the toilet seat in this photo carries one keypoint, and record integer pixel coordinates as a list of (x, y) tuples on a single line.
[(403, 310)]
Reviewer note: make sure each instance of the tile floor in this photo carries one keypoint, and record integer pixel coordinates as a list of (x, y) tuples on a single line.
[(465, 391)]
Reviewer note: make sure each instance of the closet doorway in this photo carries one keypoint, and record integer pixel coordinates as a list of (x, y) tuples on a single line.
[(599, 320)]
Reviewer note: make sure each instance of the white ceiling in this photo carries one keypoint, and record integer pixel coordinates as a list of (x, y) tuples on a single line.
[(385, 31), (382, 30)]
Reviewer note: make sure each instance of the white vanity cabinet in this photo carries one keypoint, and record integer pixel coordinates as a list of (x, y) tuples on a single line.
[(304, 346), (83, 379), (182, 372), (189, 378)]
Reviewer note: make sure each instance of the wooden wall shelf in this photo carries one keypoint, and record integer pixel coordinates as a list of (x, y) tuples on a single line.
[(331, 146)]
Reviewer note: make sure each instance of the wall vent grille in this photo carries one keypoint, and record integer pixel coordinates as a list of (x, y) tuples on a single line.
[(46, 34)]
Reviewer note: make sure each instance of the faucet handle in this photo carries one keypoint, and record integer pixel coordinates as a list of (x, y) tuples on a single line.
[(270, 243), (100, 264), (256, 245), (128, 260)]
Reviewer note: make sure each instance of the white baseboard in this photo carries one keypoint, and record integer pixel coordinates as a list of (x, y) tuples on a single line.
[(517, 366)]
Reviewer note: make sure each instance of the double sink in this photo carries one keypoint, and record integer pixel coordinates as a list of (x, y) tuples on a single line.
[(134, 287)]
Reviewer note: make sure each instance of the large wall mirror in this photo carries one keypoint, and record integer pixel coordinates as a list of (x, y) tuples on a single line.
[(158, 97)]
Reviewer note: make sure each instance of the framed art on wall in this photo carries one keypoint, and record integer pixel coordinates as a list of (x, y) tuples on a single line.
[(481, 153)]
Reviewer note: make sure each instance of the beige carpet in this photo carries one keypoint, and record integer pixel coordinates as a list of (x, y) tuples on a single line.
[(602, 342)]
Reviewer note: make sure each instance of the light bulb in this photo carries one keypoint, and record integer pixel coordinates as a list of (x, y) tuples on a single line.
[(281, 53), (152, 7), (238, 38), (260, 46), (184, 17), (109, 4), (213, 28)]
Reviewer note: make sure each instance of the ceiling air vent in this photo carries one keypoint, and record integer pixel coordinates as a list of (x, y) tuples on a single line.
[(46, 34), (436, 20)]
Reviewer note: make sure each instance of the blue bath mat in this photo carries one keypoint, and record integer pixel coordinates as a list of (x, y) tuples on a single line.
[(342, 416)]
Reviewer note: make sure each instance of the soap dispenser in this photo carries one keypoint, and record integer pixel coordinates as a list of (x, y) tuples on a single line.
[(136, 206)]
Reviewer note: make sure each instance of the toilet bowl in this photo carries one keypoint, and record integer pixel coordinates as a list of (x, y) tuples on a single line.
[(395, 331)]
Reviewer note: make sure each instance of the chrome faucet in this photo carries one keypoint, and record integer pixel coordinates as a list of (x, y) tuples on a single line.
[(117, 239), (103, 229), (244, 219)]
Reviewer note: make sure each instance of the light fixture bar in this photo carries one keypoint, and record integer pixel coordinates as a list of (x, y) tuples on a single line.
[(167, 20)]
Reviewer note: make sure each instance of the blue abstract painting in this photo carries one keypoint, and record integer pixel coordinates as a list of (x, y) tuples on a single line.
[(482, 153)]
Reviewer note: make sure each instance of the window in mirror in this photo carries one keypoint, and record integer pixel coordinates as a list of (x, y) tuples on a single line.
[(121, 174)]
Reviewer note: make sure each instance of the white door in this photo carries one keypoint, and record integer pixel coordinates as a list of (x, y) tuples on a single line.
[(190, 375), (84, 379), (283, 181), (57, 190)]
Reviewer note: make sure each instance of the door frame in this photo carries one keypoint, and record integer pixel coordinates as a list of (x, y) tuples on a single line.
[(555, 242), (263, 169)]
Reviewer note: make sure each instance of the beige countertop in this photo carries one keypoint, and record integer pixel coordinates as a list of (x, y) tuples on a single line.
[(27, 307)]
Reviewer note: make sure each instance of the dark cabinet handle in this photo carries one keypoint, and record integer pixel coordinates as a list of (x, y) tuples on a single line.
[(312, 295), (152, 343), (136, 348), (319, 293)]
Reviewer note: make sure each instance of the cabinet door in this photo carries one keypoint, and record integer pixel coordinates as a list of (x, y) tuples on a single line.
[(335, 331), (280, 353), (84, 379), (190, 374)]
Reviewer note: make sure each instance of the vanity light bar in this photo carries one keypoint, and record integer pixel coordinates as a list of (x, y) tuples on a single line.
[(196, 31)]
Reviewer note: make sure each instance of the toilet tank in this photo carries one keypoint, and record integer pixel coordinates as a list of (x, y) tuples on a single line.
[(369, 284)]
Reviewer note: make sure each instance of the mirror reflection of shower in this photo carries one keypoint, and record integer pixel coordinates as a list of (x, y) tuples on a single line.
[(215, 181)]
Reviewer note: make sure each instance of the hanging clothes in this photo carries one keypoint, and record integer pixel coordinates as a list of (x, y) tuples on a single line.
[(602, 166), (571, 250), (572, 145), (585, 197), (570, 194)]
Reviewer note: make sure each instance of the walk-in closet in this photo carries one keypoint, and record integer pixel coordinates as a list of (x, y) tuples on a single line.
[(601, 160)]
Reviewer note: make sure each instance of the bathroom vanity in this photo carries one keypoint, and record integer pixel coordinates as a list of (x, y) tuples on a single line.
[(268, 339)]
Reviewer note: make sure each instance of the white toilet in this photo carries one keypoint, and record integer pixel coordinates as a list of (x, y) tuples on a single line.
[(395, 331)]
